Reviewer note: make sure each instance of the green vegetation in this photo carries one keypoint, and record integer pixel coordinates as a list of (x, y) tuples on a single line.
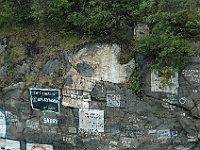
[(166, 51), (174, 29)]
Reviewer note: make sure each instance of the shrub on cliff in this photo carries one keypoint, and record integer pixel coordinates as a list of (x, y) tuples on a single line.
[(166, 51)]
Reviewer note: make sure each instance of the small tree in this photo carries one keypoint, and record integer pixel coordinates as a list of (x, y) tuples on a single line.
[(51, 11), (6, 14), (166, 51), (172, 23), (102, 16), (15, 12)]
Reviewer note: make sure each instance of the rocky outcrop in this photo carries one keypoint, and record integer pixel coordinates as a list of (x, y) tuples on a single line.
[(95, 111)]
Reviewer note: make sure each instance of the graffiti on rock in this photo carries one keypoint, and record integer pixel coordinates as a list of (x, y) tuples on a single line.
[(70, 139), (33, 124), (182, 100), (113, 145), (12, 120), (192, 75), (49, 129), (126, 142)]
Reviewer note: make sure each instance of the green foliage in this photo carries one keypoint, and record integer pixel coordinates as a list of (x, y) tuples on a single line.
[(136, 86), (101, 17), (174, 16), (14, 13), (166, 51), (6, 14), (52, 11), (193, 24), (166, 74)]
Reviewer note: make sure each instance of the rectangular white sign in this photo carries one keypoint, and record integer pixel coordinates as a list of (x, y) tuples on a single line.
[(158, 84), (34, 146), (91, 120), (76, 98), (163, 134), (2, 124), (6, 144)]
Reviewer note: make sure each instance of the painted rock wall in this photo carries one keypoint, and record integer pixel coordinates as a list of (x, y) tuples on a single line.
[(92, 111)]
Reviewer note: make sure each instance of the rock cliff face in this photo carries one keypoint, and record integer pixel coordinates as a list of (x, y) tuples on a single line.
[(90, 110)]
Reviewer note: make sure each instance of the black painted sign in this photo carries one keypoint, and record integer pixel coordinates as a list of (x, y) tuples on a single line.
[(45, 99)]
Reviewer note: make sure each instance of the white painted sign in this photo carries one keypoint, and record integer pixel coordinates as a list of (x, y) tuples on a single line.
[(6, 144), (76, 98), (113, 100), (91, 120), (34, 146), (163, 134), (2, 124), (158, 85)]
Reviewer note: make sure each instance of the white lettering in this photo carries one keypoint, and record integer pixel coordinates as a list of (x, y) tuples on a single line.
[(50, 121)]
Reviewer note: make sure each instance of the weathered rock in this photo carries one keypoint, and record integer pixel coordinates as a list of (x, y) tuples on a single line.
[(2, 48), (143, 108), (3, 72), (195, 112), (186, 103), (85, 69), (99, 91), (128, 143), (97, 62), (5, 40), (69, 80), (188, 125), (22, 69), (125, 121), (51, 66), (67, 59)]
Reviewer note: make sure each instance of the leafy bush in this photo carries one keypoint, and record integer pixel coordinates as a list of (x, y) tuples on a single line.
[(52, 11), (166, 51), (100, 17), (14, 12), (6, 14), (175, 16)]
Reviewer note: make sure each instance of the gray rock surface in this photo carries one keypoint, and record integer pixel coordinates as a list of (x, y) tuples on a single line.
[(153, 121), (51, 66), (22, 69), (85, 69), (3, 72), (2, 48), (69, 80)]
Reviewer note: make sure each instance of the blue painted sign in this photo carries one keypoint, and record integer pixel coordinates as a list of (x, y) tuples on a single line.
[(174, 134)]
